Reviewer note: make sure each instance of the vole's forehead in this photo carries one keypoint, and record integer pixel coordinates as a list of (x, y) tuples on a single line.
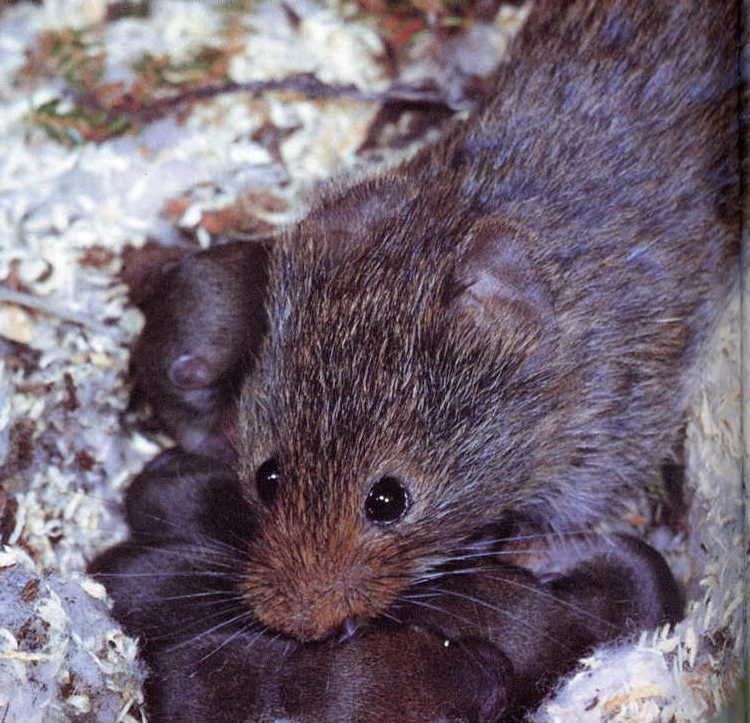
[(343, 346), (360, 371)]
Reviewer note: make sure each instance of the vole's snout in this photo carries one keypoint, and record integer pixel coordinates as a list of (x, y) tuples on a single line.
[(314, 592), (319, 566), (314, 611)]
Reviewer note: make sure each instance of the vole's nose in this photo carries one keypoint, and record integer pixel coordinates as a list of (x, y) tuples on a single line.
[(324, 599)]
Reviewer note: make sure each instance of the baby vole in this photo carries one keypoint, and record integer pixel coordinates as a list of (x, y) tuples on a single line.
[(205, 315), (505, 324), (481, 641)]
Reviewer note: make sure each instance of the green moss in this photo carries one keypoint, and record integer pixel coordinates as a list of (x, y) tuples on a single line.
[(77, 125)]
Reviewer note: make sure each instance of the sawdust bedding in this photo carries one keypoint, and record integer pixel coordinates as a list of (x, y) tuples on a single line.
[(92, 165)]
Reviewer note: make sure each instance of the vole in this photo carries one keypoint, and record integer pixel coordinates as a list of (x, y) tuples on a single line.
[(204, 314), (485, 642), (503, 325)]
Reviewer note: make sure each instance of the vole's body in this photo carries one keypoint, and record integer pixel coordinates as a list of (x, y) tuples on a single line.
[(505, 323)]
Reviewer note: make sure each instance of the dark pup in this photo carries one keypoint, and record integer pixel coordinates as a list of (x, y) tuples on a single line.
[(502, 326), (205, 318), (483, 641)]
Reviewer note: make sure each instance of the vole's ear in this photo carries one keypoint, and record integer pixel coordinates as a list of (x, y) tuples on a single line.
[(496, 283)]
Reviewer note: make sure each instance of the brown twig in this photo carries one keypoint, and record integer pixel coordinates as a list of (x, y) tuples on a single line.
[(305, 84)]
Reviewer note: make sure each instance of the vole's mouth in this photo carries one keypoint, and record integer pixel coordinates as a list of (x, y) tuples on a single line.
[(348, 629)]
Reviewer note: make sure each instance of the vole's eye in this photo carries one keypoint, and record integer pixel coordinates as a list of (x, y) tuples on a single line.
[(267, 478), (387, 501)]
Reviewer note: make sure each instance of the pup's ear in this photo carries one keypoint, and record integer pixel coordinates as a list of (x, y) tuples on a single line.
[(496, 283)]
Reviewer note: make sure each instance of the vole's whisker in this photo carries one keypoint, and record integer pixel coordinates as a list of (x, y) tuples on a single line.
[(289, 647), (192, 554), (390, 616), (486, 553), (185, 523), (424, 596), (194, 574), (243, 542), (442, 611), (539, 536), (506, 613), (195, 624), (438, 574), (181, 523), (556, 599), (242, 616), (222, 594), (229, 639)]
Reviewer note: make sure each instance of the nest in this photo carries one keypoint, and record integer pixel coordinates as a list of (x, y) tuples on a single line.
[(109, 144)]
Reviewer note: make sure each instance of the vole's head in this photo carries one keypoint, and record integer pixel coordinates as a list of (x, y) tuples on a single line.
[(386, 418)]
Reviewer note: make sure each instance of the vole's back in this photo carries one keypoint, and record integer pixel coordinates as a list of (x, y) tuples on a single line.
[(506, 322), (613, 137), (613, 141)]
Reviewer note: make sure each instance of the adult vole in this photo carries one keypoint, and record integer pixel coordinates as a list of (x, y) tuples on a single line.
[(504, 325)]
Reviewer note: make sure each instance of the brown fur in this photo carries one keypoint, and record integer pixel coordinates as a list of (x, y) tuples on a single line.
[(507, 321)]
